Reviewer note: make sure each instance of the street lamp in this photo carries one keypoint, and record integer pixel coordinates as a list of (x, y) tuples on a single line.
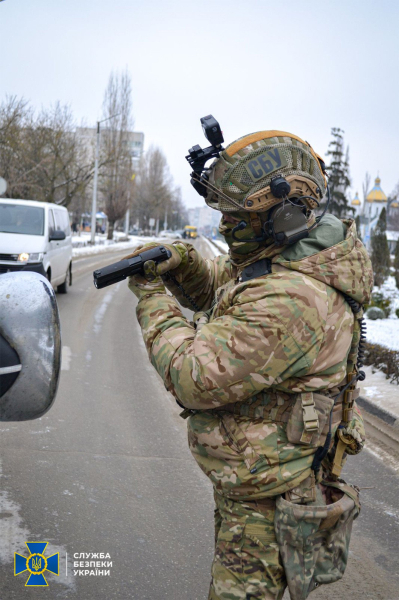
[(94, 203)]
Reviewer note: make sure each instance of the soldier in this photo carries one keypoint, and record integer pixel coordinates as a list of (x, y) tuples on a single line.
[(267, 370)]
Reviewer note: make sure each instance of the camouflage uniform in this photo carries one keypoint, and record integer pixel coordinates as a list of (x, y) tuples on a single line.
[(264, 345)]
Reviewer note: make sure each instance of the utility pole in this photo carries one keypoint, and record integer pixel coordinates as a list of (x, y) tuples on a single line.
[(127, 219), (94, 202), (127, 216)]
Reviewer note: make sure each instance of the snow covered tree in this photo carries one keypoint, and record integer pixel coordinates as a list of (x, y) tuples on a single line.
[(380, 257), (338, 170), (396, 264)]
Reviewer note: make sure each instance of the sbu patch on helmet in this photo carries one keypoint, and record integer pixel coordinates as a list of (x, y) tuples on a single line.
[(266, 163)]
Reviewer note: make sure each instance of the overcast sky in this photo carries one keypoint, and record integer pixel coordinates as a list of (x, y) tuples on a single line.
[(301, 66)]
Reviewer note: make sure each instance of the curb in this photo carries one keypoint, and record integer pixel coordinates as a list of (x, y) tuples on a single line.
[(377, 411), (216, 245)]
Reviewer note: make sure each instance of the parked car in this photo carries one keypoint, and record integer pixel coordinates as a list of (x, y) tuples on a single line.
[(36, 236), (175, 235), (135, 231)]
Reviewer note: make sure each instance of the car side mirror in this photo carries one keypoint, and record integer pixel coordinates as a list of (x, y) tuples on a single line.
[(57, 236), (30, 344)]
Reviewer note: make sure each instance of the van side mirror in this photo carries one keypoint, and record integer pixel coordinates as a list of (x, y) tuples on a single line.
[(57, 236), (30, 344)]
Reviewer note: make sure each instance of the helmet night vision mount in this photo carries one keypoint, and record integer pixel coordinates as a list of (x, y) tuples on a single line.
[(197, 156)]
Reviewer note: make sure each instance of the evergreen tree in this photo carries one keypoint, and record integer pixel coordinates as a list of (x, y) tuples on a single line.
[(396, 264), (338, 170), (380, 257)]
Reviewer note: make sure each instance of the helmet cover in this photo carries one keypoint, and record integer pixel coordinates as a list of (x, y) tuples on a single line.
[(240, 178)]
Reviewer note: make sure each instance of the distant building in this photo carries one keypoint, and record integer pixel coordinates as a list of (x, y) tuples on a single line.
[(204, 218), (393, 240), (376, 200), (135, 141), (88, 137)]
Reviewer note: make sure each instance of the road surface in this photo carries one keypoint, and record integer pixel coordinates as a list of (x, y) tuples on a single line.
[(107, 472)]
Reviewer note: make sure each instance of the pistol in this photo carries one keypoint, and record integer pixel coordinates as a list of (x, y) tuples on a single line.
[(128, 266)]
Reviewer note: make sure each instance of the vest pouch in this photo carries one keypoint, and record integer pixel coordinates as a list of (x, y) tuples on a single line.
[(308, 422), (314, 539)]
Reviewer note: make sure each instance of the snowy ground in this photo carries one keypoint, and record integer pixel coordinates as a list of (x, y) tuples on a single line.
[(386, 331), (82, 248), (389, 290)]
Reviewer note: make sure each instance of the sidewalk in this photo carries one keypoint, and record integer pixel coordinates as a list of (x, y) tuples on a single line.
[(104, 245), (379, 397)]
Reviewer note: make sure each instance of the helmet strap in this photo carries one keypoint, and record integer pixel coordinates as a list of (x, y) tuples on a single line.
[(256, 223)]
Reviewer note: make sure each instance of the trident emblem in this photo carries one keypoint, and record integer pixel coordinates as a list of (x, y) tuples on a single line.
[(36, 563)]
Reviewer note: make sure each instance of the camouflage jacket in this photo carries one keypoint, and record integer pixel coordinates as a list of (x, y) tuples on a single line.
[(274, 336)]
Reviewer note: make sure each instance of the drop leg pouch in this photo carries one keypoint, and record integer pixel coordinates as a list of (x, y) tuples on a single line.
[(314, 538)]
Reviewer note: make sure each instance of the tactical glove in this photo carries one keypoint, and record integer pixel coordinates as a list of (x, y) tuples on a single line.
[(148, 284), (353, 439), (354, 432), (178, 251)]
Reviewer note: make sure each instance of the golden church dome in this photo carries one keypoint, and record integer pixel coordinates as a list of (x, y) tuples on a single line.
[(376, 194), (356, 201)]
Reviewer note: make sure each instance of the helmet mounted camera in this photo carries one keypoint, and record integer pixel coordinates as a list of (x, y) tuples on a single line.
[(197, 156)]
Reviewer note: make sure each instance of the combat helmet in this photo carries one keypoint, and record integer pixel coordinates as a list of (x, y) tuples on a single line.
[(248, 172)]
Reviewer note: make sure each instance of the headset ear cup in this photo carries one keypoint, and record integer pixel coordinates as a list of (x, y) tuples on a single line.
[(288, 224)]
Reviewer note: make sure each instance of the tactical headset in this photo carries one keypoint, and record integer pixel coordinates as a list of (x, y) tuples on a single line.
[(288, 222), (287, 219)]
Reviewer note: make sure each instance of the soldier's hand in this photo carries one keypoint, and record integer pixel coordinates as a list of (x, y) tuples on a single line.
[(148, 284), (178, 253)]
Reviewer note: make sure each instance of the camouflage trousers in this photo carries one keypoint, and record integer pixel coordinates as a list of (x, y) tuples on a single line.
[(247, 564)]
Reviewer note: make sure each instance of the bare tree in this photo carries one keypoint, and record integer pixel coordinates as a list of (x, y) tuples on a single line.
[(14, 115), (41, 156), (156, 196), (116, 174), (178, 213), (366, 187)]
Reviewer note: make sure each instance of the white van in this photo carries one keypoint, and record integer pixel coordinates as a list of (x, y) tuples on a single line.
[(36, 236)]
